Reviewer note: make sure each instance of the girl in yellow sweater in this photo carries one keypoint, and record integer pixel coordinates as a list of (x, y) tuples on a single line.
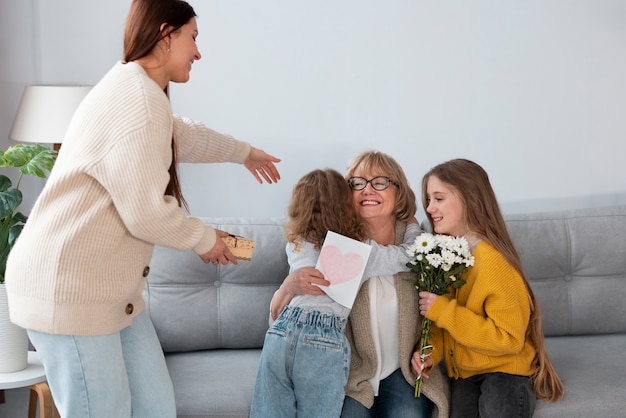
[(488, 331)]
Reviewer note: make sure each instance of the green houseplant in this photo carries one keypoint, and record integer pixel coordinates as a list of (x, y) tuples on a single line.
[(31, 160)]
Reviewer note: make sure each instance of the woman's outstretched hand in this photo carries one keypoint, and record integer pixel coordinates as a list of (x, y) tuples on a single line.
[(261, 165)]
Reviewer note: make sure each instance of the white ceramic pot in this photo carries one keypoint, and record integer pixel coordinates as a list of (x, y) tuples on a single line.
[(13, 339)]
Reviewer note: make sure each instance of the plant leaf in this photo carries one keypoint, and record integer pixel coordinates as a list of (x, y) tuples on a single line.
[(14, 233), (32, 160), (9, 201), (5, 183)]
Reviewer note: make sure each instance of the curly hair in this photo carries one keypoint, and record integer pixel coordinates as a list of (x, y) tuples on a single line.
[(321, 201)]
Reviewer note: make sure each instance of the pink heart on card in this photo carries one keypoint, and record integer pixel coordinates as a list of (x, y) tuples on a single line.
[(337, 267)]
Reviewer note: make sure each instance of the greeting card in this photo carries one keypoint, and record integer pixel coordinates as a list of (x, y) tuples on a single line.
[(343, 260)]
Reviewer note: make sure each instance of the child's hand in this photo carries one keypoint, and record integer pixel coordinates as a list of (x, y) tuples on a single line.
[(419, 367), (426, 300)]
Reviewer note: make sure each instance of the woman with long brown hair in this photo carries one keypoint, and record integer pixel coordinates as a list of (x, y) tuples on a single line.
[(76, 274), (488, 331)]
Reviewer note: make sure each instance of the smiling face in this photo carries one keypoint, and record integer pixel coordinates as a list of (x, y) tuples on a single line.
[(374, 205), (183, 51), (445, 208)]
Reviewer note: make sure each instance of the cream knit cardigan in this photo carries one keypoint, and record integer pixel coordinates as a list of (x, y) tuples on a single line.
[(363, 359), (80, 263)]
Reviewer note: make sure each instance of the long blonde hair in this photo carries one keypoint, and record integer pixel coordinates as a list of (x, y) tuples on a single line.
[(471, 184)]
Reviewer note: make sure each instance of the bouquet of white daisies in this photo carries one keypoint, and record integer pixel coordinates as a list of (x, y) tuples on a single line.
[(438, 262)]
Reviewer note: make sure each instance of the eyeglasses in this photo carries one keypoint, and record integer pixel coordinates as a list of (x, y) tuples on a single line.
[(378, 183)]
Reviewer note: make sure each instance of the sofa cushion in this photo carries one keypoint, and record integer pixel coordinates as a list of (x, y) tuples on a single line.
[(575, 263), (197, 306), (591, 368), (213, 383)]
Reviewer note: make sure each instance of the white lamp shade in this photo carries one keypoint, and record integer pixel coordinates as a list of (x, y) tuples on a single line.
[(45, 112)]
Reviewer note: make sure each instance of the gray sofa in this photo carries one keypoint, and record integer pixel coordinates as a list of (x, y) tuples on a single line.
[(211, 320)]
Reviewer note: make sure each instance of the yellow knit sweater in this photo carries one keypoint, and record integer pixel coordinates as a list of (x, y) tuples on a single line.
[(481, 327)]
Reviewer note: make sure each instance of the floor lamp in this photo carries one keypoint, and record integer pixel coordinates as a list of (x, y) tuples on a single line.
[(43, 116), (45, 112)]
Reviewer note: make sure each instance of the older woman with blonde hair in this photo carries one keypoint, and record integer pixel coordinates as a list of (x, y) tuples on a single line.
[(384, 325)]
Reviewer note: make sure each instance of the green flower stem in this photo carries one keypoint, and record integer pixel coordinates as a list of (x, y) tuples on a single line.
[(450, 258), (424, 349)]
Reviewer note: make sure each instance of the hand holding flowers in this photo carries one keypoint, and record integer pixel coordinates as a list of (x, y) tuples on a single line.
[(438, 262), (426, 300)]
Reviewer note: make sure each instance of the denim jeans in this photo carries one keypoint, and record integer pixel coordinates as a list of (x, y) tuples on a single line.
[(492, 395), (117, 375), (303, 368), (396, 398)]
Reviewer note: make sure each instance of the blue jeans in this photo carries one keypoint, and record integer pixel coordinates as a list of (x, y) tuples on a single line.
[(492, 395), (117, 375), (303, 368), (396, 398)]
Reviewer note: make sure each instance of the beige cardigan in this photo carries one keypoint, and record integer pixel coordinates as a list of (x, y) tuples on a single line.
[(363, 363), (80, 264)]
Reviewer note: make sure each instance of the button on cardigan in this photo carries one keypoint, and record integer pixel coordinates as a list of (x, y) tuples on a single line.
[(81, 259)]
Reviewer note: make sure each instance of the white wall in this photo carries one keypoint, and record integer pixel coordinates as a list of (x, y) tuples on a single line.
[(533, 91)]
